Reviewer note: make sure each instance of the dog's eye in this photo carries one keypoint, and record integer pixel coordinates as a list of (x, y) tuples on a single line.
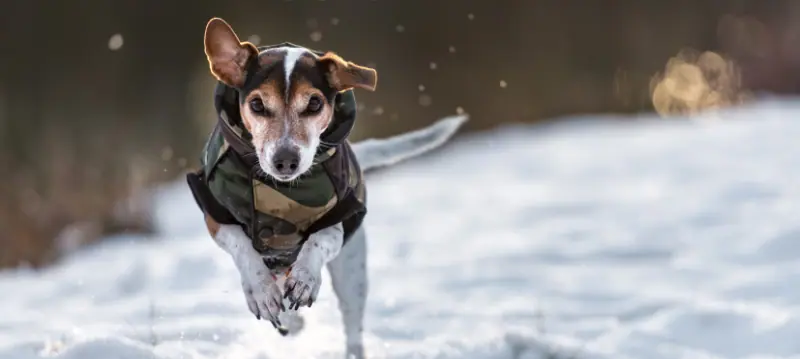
[(257, 106), (314, 105)]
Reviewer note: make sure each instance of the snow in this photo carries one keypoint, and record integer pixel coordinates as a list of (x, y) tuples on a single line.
[(601, 238)]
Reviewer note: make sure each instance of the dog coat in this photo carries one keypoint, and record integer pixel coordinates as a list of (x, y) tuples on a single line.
[(231, 188)]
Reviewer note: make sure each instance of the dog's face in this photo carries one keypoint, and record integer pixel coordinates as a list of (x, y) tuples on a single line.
[(290, 104)]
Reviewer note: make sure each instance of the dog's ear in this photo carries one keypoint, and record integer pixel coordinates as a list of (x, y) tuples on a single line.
[(344, 75), (227, 56)]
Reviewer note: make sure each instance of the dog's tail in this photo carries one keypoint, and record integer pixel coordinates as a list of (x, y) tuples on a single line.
[(375, 153)]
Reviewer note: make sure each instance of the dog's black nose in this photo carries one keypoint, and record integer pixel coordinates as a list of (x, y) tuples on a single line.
[(286, 161)]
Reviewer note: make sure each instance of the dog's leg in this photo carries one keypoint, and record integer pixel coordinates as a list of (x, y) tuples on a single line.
[(349, 279), (305, 277), (291, 320), (260, 290)]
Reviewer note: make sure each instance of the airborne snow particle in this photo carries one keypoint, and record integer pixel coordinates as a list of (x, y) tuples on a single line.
[(433, 66), (400, 28), (316, 36), (378, 111), (471, 16), (503, 83), (335, 21), (166, 153), (452, 49), (254, 39), (425, 100), (115, 42), (459, 110), (421, 88)]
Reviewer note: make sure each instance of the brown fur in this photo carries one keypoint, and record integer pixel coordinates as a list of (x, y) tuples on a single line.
[(212, 225), (301, 91), (268, 59), (307, 60), (270, 129), (227, 56), (344, 75), (286, 121), (261, 127)]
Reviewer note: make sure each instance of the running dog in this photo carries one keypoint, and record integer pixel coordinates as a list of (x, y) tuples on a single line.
[(281, 188)]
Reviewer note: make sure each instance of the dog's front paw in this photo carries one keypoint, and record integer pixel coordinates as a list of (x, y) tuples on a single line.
[(302, 286), (263, 296)]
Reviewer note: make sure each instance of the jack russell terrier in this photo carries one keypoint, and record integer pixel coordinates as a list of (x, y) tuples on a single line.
[(281, 187)]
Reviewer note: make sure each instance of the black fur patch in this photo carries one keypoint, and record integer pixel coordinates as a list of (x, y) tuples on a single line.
[(314, 73)]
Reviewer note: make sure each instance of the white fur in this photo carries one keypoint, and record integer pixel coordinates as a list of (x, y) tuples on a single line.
[(376, 153), (349, 280), (260, 290), (347, 265), (303, 283), (307, 153), (289, 61), (290, 57)]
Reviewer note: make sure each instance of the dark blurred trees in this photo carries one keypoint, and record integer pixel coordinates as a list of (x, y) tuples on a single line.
[(82, 126)]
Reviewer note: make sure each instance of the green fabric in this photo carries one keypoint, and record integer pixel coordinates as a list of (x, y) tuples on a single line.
[(277, 215), (232, 185), (314, 189)]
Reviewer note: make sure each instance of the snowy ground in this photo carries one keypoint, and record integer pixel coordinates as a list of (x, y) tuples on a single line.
[(604, 239)]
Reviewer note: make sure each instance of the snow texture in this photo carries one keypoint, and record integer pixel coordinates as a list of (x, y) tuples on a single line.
[(592, 238)]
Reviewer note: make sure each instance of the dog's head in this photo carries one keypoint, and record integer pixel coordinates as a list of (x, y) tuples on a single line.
[(286, 93)]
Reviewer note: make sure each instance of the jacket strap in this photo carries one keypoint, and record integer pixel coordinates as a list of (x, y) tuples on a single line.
[(206, 201)]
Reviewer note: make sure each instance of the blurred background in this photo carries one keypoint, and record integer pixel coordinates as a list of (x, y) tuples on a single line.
[(101, 100)]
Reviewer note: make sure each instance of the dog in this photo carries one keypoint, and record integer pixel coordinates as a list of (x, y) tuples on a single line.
[(281, 187)]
